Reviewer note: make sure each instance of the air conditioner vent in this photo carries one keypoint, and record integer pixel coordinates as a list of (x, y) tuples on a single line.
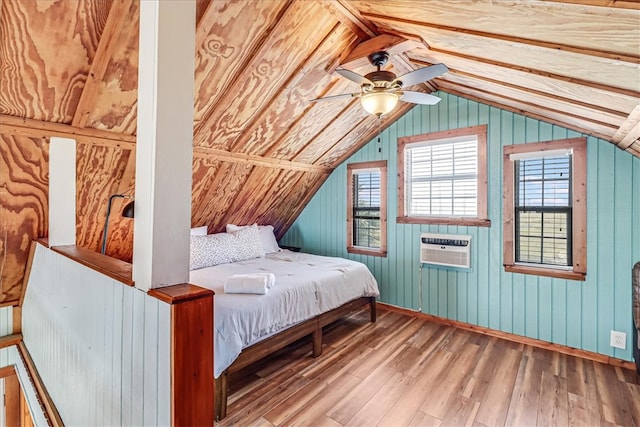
[(445, 249)]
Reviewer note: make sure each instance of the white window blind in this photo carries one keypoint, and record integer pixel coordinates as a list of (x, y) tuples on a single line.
[(366, 208), (543, 202), (442, 177)]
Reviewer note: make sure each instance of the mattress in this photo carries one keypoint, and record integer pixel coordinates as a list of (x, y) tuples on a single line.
[(306, 286)]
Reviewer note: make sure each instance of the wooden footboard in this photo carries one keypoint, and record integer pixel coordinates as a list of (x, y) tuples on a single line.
[(259, 350)]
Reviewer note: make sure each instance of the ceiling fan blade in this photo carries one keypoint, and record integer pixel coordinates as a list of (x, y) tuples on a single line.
[(422, 75), (343, 95), (419, 98), (354, 77)]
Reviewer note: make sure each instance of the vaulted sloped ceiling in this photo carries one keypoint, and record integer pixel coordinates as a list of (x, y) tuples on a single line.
[(261, 149)]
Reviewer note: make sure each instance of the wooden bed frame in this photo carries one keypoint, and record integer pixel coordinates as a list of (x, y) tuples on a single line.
[(268, 346)]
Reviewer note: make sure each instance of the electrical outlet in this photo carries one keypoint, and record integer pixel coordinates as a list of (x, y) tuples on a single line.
[(618, 340)]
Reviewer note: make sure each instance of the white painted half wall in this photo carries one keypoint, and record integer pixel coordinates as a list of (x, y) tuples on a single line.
[(101, 348)]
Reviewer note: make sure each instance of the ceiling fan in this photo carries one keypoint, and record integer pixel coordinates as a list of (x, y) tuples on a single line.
[(381, 90)]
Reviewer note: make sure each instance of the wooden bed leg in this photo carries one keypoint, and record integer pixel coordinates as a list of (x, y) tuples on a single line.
[(220, 396), (372, 309), (317, 342)]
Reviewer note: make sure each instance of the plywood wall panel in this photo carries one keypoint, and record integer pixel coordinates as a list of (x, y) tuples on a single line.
[(217, 194), (265, 74), (263, 135), (229, 34), (24, 195), (283, 215), (201, 7), (115, 105), (366, 130), (202, 187), (41, 83), (244, 206), (272, 197), (338, 132), (100, 171), (320, 115)]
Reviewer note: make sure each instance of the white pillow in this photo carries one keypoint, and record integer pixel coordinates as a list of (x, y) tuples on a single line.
[(212, 249), (268, 239), (199, 231), (248, 244)]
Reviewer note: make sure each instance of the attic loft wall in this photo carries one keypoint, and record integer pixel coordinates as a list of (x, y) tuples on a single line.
[(571, 313)]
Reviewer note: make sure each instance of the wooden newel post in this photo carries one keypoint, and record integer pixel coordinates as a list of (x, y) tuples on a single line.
[(192, 385)]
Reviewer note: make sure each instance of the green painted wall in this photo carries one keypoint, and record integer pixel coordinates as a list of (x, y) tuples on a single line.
[(572, 313)]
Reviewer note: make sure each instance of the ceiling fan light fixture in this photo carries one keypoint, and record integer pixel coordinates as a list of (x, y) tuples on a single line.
[(379, 103)]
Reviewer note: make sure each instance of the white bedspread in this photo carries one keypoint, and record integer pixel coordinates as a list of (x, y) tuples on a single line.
[(306, 285)]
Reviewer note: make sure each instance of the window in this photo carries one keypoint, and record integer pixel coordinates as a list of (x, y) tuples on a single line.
[(443, 177), (366, 208), (545, 208)]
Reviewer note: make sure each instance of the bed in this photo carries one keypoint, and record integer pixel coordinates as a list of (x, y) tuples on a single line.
[(310, 292)]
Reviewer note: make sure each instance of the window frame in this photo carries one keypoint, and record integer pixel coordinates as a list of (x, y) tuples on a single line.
[(482, 218), (352, 168), (578, 269)]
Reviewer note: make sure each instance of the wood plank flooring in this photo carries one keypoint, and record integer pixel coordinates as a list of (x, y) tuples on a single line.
[(404, 371)]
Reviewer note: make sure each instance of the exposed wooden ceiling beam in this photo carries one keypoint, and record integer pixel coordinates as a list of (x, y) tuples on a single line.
[(613, 119), (528, 89), (350, 17), (106, 46), (227, 156), (500, 101), (550, 75), (393, 45), (41, 129), (515, 100), (635, 59), (629, 131), (622, 4)]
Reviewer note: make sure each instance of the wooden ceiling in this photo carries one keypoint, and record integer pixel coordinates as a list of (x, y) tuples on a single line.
[(261, 149)]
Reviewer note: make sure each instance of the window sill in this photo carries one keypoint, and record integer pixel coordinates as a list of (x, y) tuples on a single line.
[(548, 272), (366, 251), (444, 221)]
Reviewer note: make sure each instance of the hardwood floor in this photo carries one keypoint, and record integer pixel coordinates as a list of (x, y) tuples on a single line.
[(404, 371)]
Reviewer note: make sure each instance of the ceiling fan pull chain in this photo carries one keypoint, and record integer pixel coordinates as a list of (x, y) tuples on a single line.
[(379, 132)]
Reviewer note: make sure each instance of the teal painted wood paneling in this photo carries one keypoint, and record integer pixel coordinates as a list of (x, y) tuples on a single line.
[(577, 314)]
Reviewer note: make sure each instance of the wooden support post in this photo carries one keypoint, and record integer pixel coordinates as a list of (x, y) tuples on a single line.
[(164, 147), (192, 385), (12, 400), (62, 191)]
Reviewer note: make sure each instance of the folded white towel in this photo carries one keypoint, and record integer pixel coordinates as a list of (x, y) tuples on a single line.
[(256, 283)]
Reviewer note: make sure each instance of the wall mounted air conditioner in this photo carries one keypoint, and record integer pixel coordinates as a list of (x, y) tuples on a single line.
[(445, 249)]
